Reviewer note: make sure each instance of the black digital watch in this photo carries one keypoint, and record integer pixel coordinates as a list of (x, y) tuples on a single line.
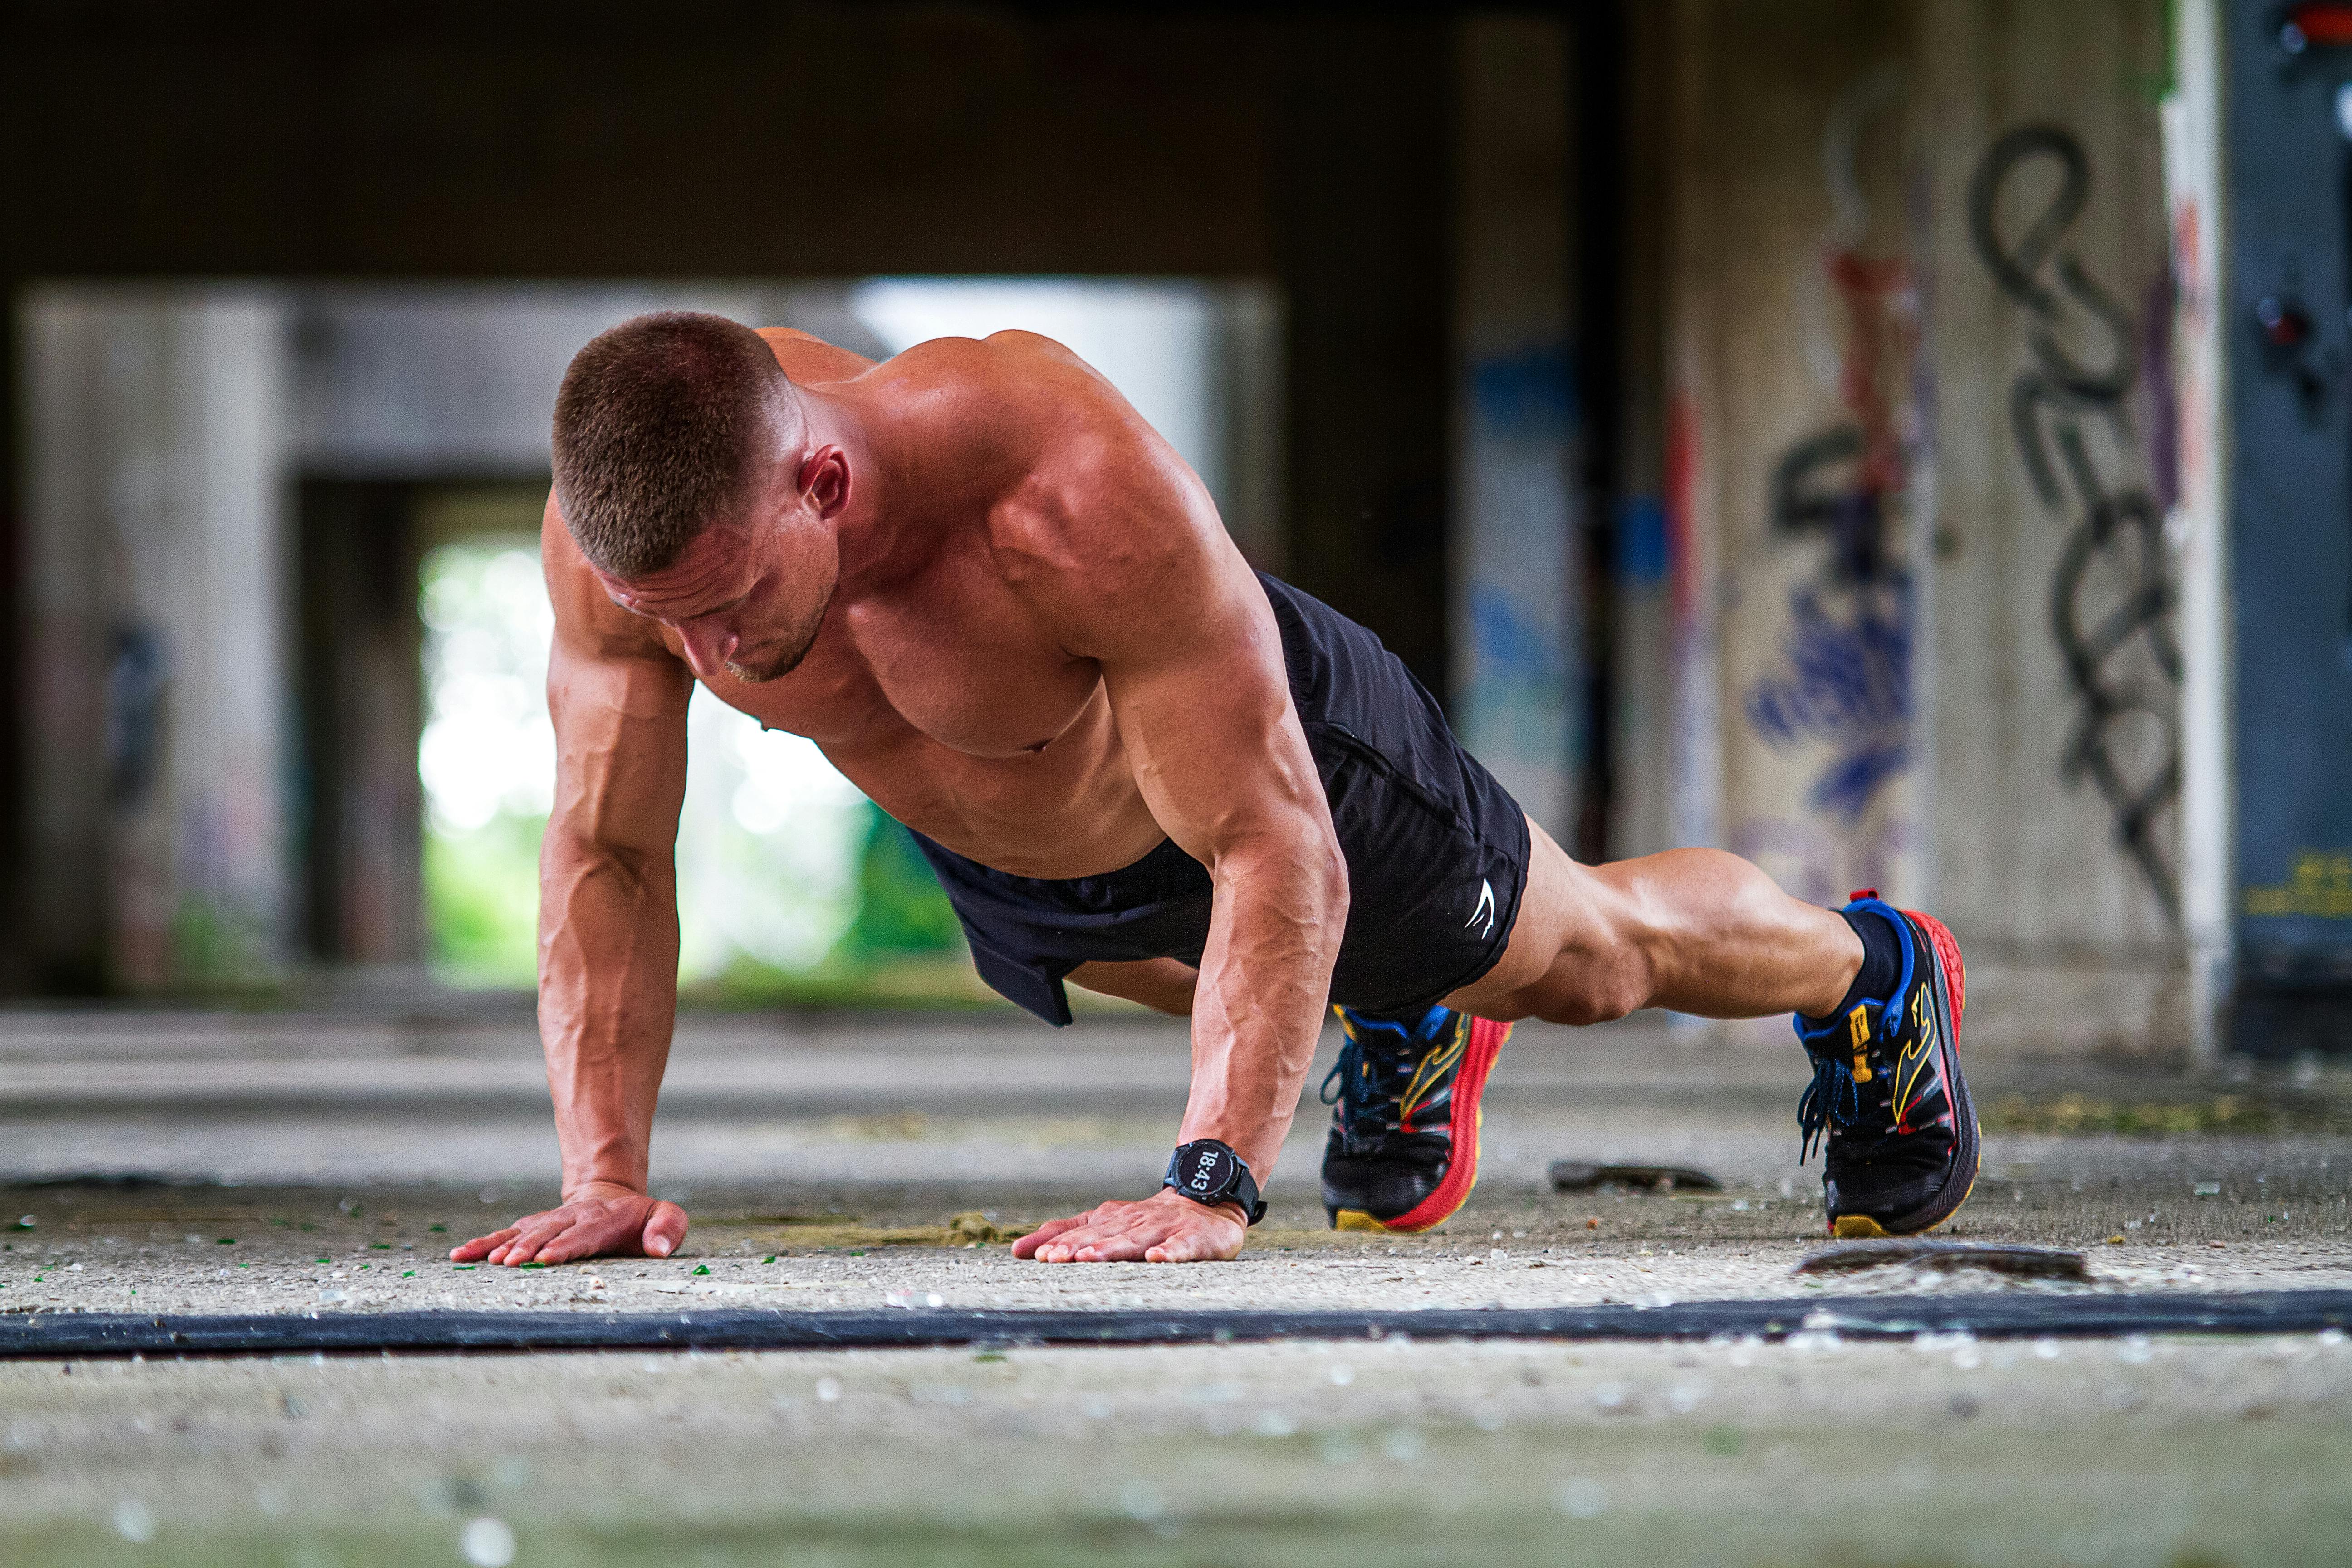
[(1210, 1172)]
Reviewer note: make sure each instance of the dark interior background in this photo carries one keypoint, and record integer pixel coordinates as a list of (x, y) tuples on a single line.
[(1308, 145)]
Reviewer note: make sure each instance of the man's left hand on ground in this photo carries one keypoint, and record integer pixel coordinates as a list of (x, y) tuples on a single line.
[(1162, 1229), (600, 1219)]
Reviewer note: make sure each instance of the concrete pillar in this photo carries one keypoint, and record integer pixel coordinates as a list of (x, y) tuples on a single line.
[(158, 472), (1517, 583), (2055, 823), (1643, 624), (1360, 138), (1918, 421), (1249, 375), (71, 620), (1791, 436), (360, 688), (2198, 522), (1692, 786)]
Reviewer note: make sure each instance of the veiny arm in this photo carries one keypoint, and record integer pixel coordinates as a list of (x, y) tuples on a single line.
[(607, 918), (1136, 573)]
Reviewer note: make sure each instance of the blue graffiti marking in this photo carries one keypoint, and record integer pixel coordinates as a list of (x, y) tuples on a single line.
[(1642, 540), (1509, 646), (1848, 684)]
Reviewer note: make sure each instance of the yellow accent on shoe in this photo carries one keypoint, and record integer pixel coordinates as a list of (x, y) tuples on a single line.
[(1862, 1225), (1434, 1065), (1906, 1082), (1858, 1024), (1356, 1219)]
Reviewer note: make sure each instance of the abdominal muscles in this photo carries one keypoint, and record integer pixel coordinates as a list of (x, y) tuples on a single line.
[(1069, 809)]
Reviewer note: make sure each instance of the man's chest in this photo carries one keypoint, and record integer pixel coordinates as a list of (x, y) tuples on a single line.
[(969, 671)]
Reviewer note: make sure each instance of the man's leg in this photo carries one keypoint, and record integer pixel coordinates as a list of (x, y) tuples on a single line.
[(1698, 931), (1162, 985)]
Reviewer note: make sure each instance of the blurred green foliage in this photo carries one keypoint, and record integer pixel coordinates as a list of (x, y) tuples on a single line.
[(900, 909), (904, 948), (481, 902)]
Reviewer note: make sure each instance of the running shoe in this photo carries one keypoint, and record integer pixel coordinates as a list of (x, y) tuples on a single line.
[(1403, 1150), (1888, 1097)]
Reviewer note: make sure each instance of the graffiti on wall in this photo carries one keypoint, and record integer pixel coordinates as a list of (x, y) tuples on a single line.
[(138, 680), (1845, 678), (2321, 889), (2111, 596)]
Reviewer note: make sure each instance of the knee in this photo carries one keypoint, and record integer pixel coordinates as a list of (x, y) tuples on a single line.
[(1594, 995), (1590, 1003), (1594, 989)]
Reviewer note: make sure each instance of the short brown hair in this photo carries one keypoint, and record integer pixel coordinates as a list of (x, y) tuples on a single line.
[(657, 427)]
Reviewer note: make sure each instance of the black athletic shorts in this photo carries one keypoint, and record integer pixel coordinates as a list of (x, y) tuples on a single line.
[(1436, 849)]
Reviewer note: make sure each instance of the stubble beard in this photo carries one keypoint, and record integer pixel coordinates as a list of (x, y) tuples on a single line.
[(803, 639)]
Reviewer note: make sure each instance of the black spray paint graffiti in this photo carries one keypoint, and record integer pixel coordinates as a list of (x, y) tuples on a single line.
[(2111, 598)]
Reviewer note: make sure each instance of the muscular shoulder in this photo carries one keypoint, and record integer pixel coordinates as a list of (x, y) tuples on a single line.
[(1096, 508), (809, 359)]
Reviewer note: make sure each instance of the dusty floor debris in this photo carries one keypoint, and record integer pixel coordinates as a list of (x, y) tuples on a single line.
[(1576, 1176)]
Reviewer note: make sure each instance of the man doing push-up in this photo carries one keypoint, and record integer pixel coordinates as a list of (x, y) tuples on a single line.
[(1007, 609)]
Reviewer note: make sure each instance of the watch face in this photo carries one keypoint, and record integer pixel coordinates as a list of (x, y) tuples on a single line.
[(1204, 1170)]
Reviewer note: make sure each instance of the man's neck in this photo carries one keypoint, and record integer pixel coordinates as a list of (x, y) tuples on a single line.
[(862, 532)]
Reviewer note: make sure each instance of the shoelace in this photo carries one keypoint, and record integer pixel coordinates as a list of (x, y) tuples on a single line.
[(1832, 1095), (1369, 1080)]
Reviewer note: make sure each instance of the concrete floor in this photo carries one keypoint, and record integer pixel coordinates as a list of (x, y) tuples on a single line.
[(315, 1164)]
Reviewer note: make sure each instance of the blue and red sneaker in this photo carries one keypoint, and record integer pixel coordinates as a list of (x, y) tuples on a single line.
[(1887, 1093), (1403, 1150)]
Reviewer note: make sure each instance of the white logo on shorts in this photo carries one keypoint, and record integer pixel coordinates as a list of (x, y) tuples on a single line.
[(1485, 911)]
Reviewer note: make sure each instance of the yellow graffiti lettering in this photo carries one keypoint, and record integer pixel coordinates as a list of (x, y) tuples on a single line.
[(2320, 887)]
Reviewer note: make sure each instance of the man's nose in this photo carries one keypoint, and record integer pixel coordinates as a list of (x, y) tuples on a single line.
[(707, 647)]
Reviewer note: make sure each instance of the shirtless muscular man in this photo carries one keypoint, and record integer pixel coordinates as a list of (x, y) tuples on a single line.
[(1007, 609)]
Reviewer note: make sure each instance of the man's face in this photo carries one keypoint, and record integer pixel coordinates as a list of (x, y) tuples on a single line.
[(748, 594)]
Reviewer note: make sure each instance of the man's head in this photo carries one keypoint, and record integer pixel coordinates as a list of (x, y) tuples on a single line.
[(682, 469)]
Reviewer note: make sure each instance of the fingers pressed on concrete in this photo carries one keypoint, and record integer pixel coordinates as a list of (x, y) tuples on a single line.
[(482, 1246), (525, 1248)]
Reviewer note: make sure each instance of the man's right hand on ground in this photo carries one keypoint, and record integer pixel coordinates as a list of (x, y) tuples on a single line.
[(600, 1220)]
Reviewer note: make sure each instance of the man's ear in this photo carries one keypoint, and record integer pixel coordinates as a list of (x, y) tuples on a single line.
[(824, 479)]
